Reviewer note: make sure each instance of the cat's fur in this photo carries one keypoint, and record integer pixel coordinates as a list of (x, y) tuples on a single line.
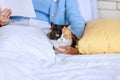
[(60, 35)]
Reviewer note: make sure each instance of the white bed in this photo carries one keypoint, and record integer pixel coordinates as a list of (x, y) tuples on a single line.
[(24, 56), (27, 54)]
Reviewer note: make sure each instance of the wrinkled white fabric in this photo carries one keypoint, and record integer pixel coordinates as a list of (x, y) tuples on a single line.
[(23, 42), (27, 54)]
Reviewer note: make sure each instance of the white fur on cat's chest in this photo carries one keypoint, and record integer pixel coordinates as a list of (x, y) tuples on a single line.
[(61, 42)]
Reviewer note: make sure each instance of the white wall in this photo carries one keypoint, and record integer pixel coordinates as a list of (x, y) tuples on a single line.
[(109, 8)]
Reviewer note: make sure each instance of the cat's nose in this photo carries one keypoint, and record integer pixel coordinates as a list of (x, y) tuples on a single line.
[(60, 40), (63, 39)]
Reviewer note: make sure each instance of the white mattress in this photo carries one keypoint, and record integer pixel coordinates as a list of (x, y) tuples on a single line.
[(28, 55)]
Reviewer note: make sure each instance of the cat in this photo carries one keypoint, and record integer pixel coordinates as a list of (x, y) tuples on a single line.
[(60, 35)]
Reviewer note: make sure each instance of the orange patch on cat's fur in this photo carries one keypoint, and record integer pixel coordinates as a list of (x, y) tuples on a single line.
[(66, 32)]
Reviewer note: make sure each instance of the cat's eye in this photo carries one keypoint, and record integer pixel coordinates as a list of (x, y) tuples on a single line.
[(57, 35), (65, 35)]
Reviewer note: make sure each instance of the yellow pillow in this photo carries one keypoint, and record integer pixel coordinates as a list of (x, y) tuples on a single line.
[(100, 36)]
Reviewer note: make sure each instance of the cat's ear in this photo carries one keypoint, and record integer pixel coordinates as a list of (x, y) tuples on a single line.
[(68, 26), (52, 24)]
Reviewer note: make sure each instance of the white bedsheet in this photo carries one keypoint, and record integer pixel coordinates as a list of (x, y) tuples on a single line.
[(83, 67), (24, 56)]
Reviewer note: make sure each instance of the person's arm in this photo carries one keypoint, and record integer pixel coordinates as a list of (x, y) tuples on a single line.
[(74, 18), (4, 16), (68, 50)]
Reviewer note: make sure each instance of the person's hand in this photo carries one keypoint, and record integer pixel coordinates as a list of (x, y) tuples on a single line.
[(4, 16), (67, 50)]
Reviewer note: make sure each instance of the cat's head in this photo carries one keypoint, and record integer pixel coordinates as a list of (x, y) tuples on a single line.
[(56, 31)]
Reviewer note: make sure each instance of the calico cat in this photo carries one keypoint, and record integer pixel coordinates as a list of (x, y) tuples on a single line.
[(60, 35)]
